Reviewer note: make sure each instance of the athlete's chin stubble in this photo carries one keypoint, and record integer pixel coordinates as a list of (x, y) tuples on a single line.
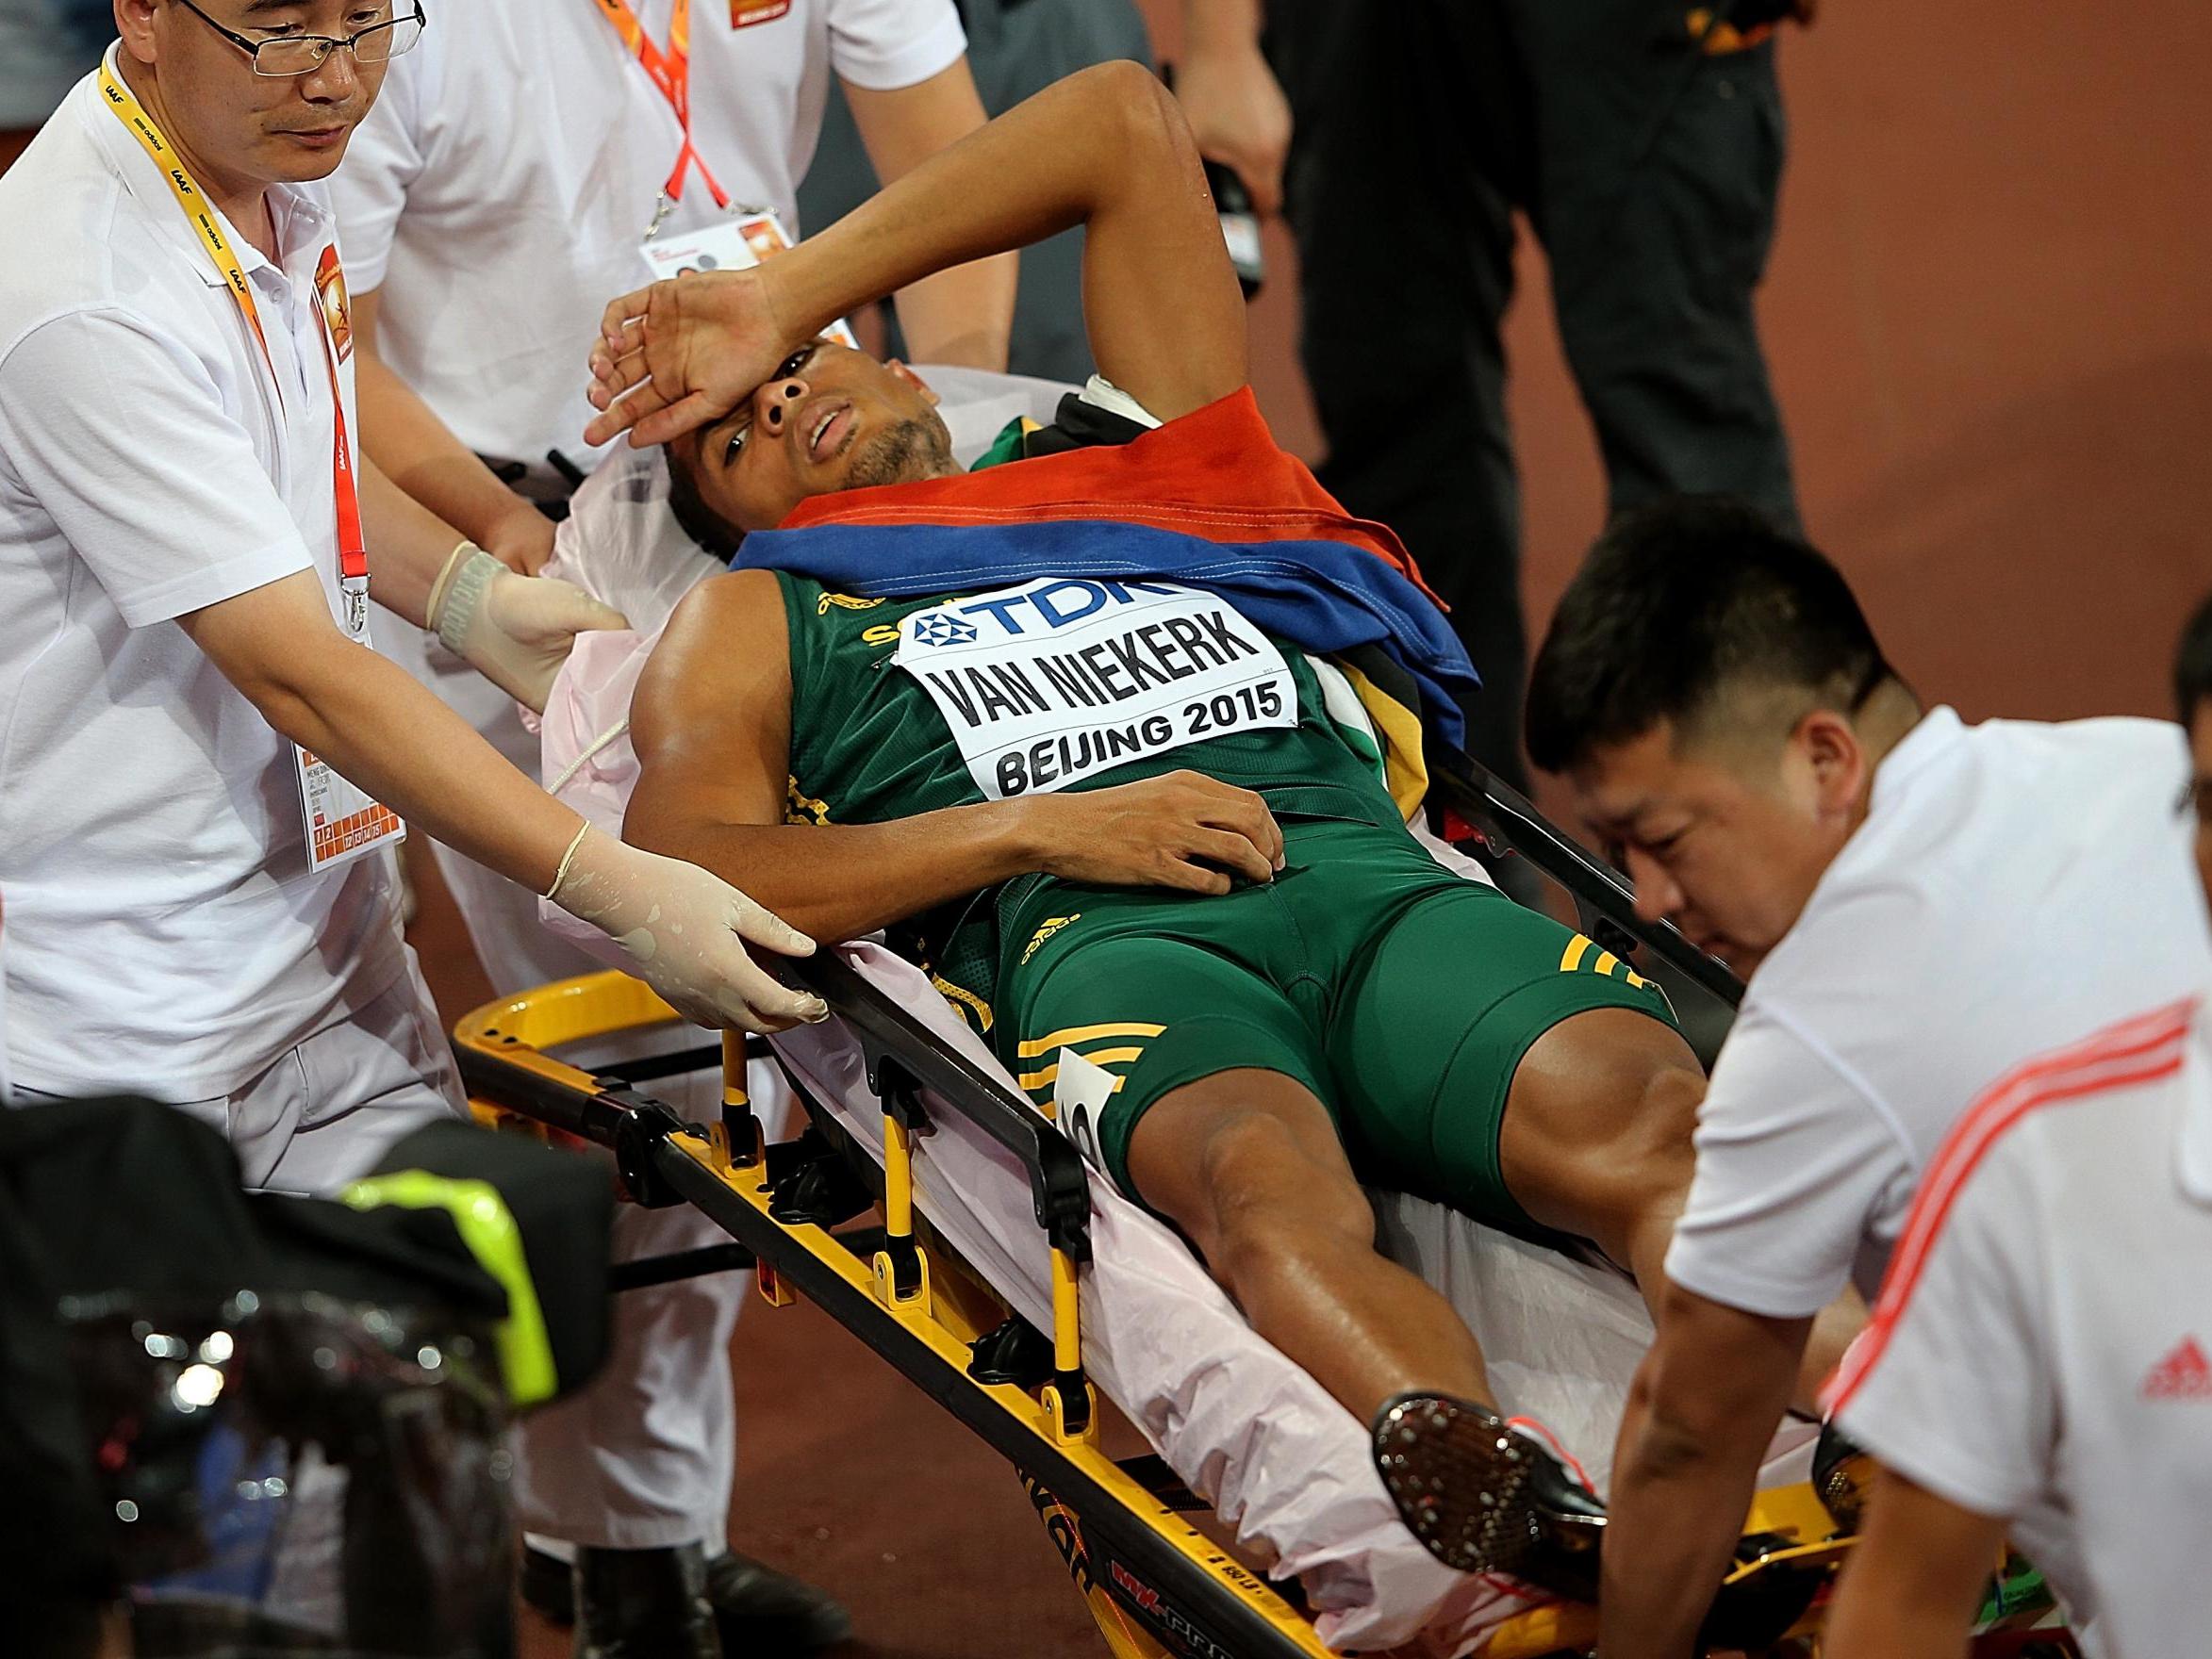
[(903, 453)]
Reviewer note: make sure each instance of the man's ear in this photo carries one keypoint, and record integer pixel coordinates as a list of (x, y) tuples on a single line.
[(134, 21), (914, 380), (1837, 759)]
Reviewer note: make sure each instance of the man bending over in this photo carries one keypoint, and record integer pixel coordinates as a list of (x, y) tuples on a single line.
[(1146, 859)]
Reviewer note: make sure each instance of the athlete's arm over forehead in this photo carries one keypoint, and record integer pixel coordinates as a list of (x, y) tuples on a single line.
[(1106, 148)]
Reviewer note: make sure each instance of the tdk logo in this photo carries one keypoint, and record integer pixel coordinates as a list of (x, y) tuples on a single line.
[(936, 629), (1056, 604)]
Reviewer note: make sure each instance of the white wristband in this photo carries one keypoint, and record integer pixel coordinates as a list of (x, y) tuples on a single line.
[(561, 873), (463, 593)]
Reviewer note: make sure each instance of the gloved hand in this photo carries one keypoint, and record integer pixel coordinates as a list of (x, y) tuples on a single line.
[(686, 930), (516, 630)]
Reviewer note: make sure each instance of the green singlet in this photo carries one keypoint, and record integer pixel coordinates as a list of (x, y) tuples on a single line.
[(1401, 994)]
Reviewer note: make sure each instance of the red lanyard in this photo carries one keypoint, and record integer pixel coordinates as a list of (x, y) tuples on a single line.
[(353, 550), (670, 70), (353, 554)]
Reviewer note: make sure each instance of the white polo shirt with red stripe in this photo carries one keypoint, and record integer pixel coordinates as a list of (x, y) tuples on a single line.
[(2015, 885), (2042, 1348)]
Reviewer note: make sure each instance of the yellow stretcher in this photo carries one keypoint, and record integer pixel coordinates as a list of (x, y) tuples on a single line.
[(1158, 1587)]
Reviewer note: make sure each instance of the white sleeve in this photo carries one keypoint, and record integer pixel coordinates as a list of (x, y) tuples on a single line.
[(382, 163), (882, 44), (1792, 1159), (123, 440), (1950, 1385)]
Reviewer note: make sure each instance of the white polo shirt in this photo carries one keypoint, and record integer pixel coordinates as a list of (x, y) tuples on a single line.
[(498, 192), (2042, 1348), (164, 933), (2015, 885)]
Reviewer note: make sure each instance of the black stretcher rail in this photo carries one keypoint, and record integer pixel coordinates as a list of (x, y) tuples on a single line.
[(1508, 822), (902, 1056)]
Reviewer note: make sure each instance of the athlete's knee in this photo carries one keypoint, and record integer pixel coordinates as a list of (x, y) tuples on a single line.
[(1598, 1125), (1269, 1199)]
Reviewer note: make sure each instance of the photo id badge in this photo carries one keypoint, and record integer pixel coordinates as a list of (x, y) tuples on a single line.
[(737, 242), (342, 822)]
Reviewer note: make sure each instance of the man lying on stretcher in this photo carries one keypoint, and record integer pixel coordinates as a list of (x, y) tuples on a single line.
[(1057, 719)]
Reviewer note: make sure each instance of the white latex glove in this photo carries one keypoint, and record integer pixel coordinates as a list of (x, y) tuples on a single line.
[(516, 630), (687, 930)]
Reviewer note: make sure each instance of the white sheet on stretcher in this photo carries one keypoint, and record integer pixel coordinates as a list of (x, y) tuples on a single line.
[(1281, 1461)]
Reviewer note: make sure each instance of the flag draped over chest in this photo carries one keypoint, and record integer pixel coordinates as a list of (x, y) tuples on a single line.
[(1209, 500)]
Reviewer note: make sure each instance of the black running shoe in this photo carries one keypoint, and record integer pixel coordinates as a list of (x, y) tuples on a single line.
[(1841, 1475), (758, 1611), (1482, 1497)]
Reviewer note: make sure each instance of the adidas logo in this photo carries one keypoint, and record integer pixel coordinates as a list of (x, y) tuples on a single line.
[(2182, 1374)]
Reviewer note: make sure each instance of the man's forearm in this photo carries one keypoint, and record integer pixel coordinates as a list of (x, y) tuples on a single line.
[(1213, 26), (423, 458), (961, 316), (389, 735), (1679, 1497), (1870, 1627), (838, 881), (381, 730), (404, 436), (408, 545)]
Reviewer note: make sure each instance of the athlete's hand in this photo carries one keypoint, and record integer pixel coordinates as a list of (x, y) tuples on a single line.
[(1184, 829), (675, 355), (1238, 116)]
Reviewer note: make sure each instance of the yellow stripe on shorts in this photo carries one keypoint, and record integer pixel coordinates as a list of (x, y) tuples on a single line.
[(1578, 948), (1071, 1035), (1103, 1057)]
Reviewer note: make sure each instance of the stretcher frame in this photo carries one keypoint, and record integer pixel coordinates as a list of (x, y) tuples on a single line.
[(1157, 1586)]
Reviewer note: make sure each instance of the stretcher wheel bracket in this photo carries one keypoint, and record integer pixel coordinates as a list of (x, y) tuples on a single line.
[(1068, 1407), (640, 1125), (901, 1275), (743, 1137)]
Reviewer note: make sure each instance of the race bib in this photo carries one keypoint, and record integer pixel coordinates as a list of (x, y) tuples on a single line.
[(1044, 684)]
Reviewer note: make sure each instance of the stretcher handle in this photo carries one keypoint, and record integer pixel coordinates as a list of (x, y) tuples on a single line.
[(1060, 1188), (1510, 823)]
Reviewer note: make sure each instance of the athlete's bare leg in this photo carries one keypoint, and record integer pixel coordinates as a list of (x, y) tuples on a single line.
[(1249, 1165), (1596, 1142)]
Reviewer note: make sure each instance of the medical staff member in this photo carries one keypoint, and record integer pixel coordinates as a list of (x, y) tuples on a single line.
[(2041, 1362), (199, 757), (503, 191), (1921, 905), (510, 182)]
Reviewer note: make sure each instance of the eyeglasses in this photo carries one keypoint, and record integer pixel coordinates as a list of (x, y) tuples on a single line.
[(291, 55)]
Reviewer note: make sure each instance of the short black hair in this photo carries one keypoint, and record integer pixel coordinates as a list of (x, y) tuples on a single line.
[(693, 515), (2192, 664), (1677, 600)]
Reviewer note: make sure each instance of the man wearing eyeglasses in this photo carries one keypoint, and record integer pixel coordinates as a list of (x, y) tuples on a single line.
[(201, 765)]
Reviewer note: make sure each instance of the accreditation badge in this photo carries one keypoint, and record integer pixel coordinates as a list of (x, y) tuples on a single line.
[(330, 290), (1051, 683), (342, 822), (737, 242)]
